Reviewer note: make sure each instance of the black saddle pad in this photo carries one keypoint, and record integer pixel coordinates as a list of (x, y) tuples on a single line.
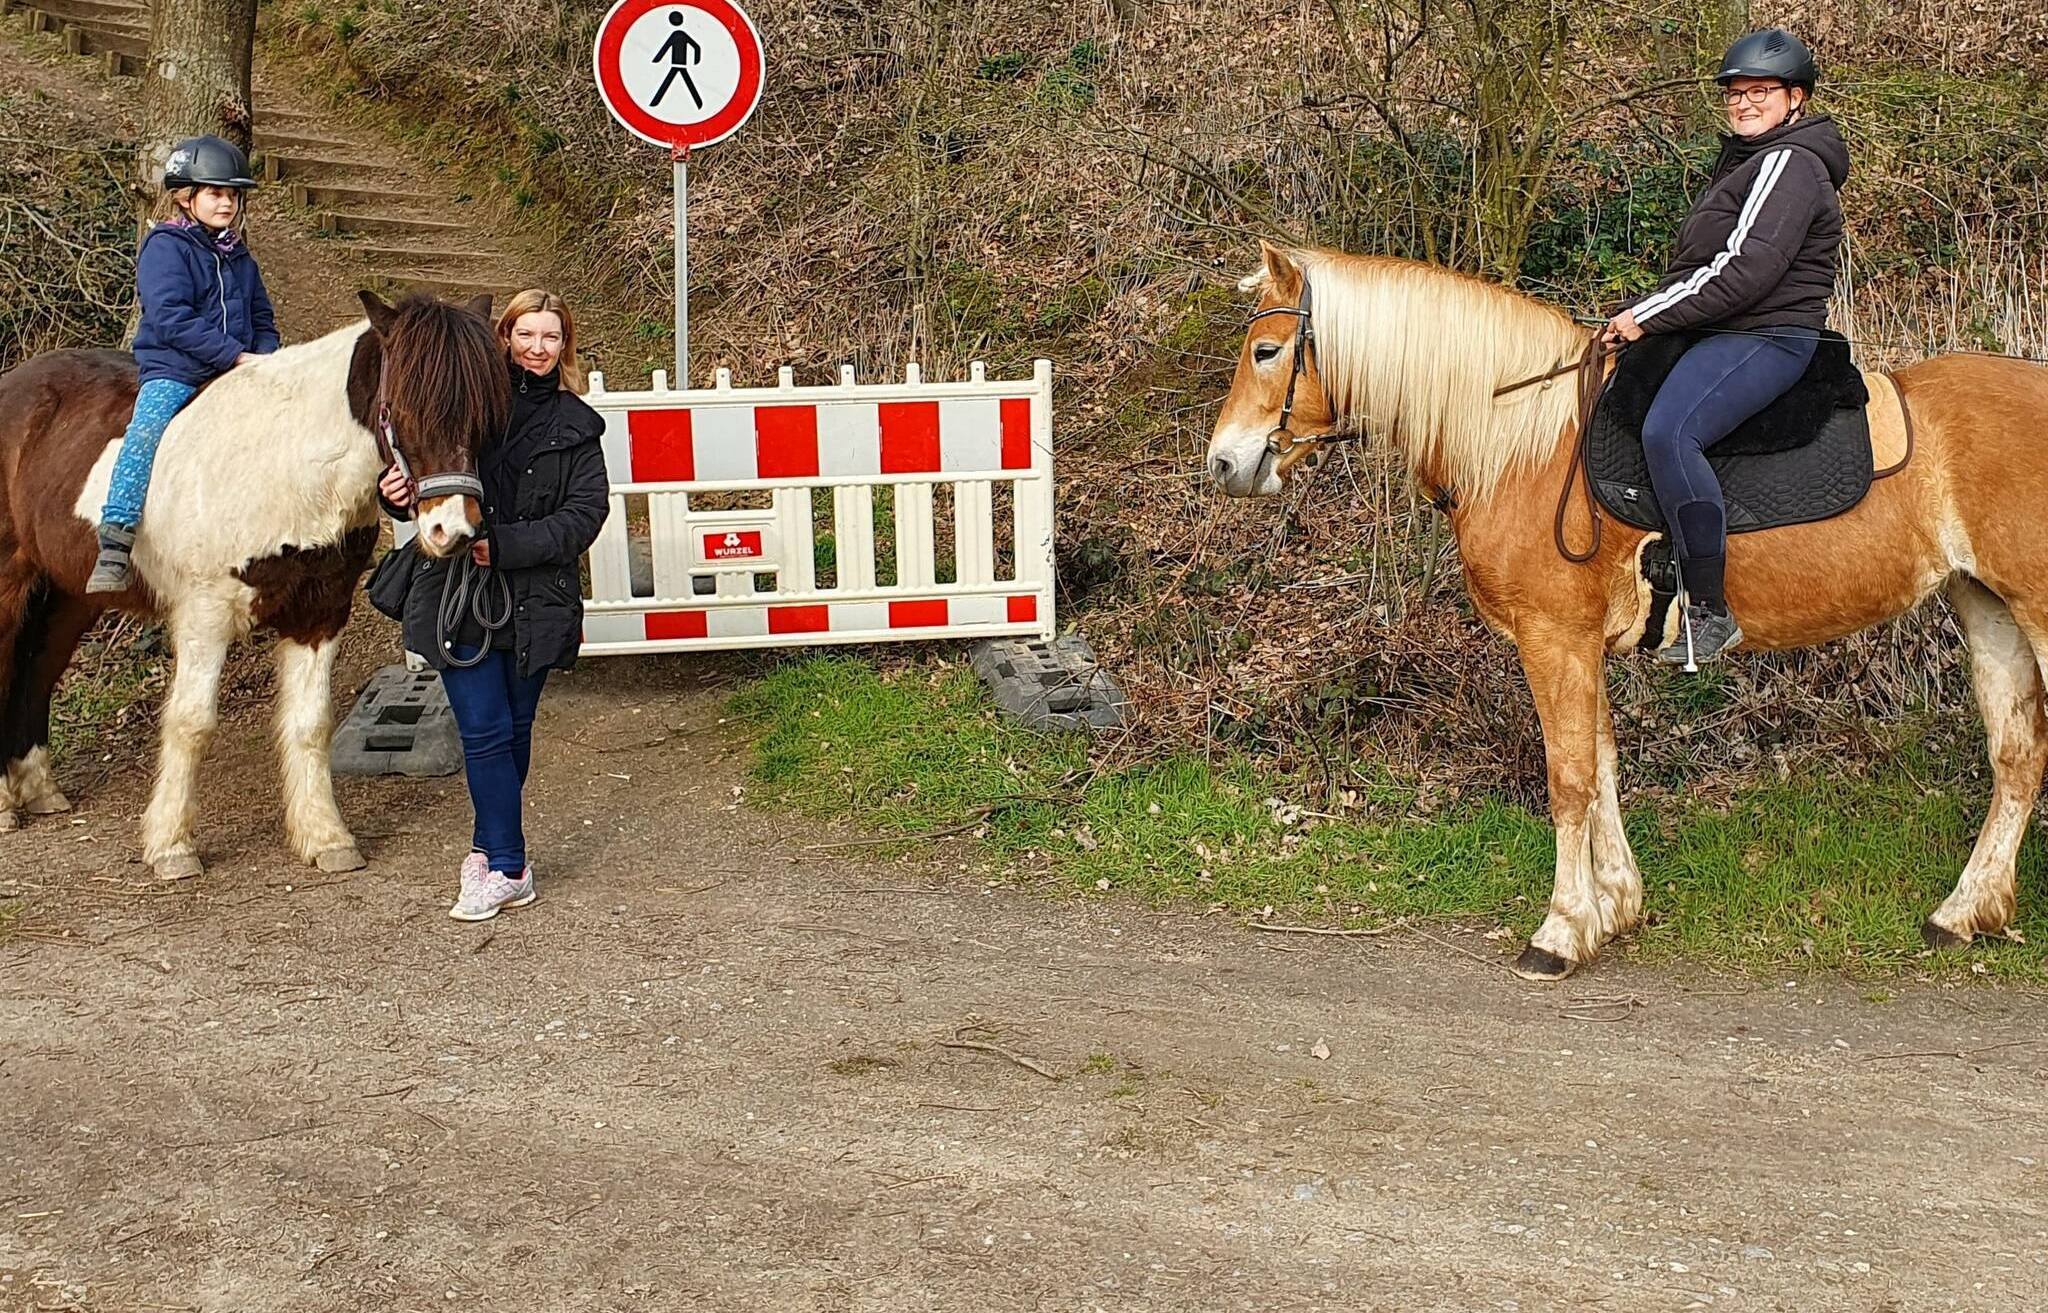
[(1804, 457)]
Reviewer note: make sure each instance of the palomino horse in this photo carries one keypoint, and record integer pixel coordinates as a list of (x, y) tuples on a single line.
[(262, 511), (1417, 354)]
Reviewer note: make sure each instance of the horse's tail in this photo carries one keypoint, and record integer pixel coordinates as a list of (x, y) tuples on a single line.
[(31, 634)]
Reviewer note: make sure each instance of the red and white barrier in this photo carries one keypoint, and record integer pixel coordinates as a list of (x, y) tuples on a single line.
[(734, 576)]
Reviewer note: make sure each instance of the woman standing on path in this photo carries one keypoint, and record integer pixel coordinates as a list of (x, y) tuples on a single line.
[(518, 600)]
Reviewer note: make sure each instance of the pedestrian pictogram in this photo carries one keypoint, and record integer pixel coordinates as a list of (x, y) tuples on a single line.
[(681, 51), (680, 73)]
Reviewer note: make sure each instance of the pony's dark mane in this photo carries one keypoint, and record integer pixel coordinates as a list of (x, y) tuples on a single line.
[(444, 374)]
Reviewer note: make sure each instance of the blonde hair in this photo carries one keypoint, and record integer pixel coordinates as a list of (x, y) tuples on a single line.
[(534, 301), (176, 203)]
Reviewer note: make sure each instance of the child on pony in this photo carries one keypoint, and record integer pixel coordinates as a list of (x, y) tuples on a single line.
[(204, 311)]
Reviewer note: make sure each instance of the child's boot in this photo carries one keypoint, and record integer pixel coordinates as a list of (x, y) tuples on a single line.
[(110, 573)]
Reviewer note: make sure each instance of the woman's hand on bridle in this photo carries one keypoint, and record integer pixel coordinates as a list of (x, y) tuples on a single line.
[(395, 488), (1622, 328), (480, 551)]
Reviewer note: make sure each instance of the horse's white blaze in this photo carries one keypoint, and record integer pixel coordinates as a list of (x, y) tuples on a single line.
[(304, 726), (1240, 461), (444, 523), (233, 484)]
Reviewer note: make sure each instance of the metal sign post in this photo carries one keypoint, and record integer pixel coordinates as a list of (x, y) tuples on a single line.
[(680, 74), (682, 162)]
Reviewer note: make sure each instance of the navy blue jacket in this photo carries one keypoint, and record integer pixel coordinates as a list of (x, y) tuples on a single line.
[(201, 307)]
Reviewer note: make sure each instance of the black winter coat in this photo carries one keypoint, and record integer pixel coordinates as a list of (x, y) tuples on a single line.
[(1759, 248), (546, 496)]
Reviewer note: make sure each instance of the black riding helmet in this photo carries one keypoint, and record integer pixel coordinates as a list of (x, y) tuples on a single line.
[(207, 162), (1771, 53)]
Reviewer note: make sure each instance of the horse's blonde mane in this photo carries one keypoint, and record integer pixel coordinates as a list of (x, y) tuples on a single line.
[(1413, 353)]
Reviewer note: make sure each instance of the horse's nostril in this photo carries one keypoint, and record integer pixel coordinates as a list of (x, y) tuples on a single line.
[(1219, 468)]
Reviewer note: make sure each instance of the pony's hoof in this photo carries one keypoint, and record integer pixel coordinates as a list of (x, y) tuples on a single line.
[(178, 866), (1541, 964), (50, 804), (9, 822), (1942, 939), (337, 860)]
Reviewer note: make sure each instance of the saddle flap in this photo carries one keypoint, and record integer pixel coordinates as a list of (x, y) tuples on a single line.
[(1806, 456)]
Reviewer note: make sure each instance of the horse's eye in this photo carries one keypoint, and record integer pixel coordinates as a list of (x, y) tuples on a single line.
[(1265, 351)]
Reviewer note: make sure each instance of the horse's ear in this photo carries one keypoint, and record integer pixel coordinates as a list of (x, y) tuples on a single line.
[(1282, 273), (480, 306), (380, 312)]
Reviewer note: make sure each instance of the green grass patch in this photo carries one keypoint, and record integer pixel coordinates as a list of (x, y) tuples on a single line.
[(1832, 874)]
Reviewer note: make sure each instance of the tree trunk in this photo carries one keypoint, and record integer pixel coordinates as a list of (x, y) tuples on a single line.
[(196, 81)]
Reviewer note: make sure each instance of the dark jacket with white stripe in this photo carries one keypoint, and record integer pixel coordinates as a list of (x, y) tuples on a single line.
[(1759, 248)]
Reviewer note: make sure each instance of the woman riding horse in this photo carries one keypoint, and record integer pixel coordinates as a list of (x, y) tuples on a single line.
[(1754, 266)]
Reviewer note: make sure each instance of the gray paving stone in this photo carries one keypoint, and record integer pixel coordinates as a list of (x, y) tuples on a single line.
[(1049, 686)]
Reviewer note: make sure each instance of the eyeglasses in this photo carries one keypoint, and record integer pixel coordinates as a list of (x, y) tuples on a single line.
[(1754, 95)]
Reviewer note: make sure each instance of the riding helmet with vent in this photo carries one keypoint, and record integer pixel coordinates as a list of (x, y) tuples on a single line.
[(206, 162), (1771, 53)]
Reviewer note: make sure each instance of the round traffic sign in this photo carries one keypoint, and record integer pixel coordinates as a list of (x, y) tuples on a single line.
[(679, 73)]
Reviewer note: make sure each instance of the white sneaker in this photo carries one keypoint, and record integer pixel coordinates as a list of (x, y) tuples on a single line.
[(474, 868), (482, 900)]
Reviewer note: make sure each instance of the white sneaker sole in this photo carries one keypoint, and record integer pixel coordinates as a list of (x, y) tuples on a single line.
[(457, 914)]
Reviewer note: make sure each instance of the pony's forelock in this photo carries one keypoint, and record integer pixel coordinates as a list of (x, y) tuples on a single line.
[(445, 379)]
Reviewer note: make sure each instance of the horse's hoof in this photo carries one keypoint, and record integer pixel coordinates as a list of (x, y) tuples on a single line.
[(50, 804), (337, 860), (1942, 939), (178, 866), (9, 822), (1541, 964)]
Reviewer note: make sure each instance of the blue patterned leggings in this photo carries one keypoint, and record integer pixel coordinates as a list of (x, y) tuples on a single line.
[(155, 404)]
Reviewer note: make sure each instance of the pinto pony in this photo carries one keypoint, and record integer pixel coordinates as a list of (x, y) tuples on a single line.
[(1419, 356), (262, 512)]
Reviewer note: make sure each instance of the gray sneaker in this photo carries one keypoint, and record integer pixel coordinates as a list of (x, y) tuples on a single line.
[(110, 573), (1703, 634), (483, 899)]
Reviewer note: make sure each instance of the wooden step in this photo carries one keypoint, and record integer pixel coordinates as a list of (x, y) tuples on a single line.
[(285, 166), (336, 196), (296, 143), (117, 13), (120, 64), (447, 287), (443, 263), (392, 225), (91, 39)]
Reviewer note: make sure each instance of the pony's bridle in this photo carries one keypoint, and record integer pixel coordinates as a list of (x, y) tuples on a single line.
[(388, 450), (1287, 446)]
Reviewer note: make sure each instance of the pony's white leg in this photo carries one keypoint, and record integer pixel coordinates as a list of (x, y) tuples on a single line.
[(305, 722), (35, 784), (9, 819), (1592, 899), (2007, 675), (202, 626), (1614, 861)]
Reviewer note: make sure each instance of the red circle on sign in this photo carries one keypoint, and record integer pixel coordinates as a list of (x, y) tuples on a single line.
[(611, 84)]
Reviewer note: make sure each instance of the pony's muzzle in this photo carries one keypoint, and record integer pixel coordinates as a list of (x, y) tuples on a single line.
[(446, 523)]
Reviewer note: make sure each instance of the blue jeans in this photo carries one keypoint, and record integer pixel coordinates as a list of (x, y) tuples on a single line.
[(494, 709), (159, 400), (1712, 389)]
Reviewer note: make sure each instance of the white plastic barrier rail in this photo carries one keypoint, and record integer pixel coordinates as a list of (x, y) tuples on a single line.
[(760, 514)]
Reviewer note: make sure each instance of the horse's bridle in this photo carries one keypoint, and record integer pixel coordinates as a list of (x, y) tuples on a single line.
[(1287, 446), (388, 450)]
